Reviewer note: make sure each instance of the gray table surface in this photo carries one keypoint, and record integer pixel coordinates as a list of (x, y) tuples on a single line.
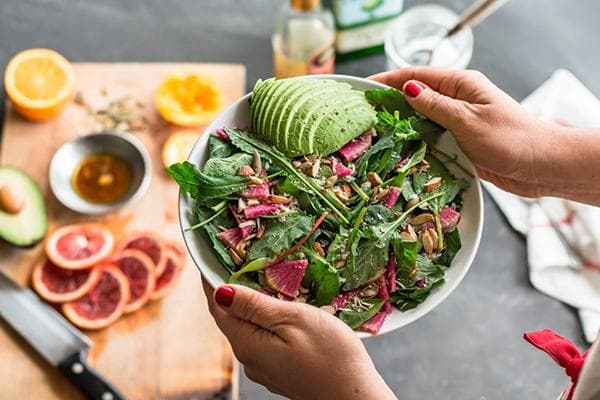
[(468, 348)]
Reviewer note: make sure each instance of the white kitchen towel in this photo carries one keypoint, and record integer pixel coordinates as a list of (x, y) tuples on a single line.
[(556, 229)]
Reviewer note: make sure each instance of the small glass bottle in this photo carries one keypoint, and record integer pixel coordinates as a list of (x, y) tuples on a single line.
[(304, 38)]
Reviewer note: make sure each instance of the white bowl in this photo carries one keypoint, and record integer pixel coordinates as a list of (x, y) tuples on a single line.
[(470, 226)]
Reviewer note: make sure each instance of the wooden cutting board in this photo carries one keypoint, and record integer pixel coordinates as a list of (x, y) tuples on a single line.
[(170, 349)]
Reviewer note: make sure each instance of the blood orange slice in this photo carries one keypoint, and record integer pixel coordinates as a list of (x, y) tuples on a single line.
[(103, 304), (139, 270), (79, 246), (58, 285), (150, 244), (167, 279)]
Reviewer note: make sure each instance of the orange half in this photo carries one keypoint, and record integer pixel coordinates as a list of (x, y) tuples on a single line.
[(39, 82)]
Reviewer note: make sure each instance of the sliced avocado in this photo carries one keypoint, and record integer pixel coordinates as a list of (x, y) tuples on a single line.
[(288, 110), (261, 98), (26, 224), (280, 97)]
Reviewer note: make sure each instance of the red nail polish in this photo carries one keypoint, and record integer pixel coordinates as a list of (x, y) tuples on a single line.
[(224, 296), (412, 89)]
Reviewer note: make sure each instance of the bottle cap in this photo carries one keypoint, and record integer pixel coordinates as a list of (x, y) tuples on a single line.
[(304, 5)]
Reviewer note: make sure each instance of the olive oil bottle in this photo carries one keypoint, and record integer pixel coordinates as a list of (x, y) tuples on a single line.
[(304, 38)]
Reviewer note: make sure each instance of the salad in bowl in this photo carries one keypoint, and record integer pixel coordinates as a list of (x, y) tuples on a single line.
[(332, 191)]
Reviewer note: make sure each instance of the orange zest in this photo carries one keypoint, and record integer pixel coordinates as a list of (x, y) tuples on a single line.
[(188, 100), (39, 83)]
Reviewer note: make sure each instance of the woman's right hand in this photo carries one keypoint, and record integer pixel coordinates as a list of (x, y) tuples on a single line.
[(507, 145)]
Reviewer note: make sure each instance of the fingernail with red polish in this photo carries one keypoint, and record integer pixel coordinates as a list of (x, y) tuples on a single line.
[(412, 89), (224, 296)]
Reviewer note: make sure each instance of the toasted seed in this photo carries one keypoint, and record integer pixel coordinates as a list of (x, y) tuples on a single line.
[(434, 237), (296, 163), (260, 232), (427, 241), (304, 290), (241, 204), (235, 257), (432, 184), (255, 181), (407, 237), (369, 292), (11, 201), (240, 248), (411, 171), (257, 162), (275, 198), (246, 170), (341, 196), (332, 180), (328, 309), (318, 248), (315, 169), (374, 178), (413, 273), (421, 219), (366, 185), (347, 189), (411, 231), (340, 264), (424, 166), (250, 222), (379, 194), (253, 202), (326, 161), (412, 202)]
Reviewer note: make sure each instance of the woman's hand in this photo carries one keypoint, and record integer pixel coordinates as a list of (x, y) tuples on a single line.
[(294, 349), (509, 147)]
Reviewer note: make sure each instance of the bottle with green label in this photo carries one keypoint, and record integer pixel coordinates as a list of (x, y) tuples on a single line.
[(361, 25)]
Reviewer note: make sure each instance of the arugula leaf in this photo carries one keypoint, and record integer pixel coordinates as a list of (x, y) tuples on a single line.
[(280, 235), (201, 186), (212, 230), (248, 144), (226, 166), (321, 277), (453, 245), (355, 318), (219, 148)]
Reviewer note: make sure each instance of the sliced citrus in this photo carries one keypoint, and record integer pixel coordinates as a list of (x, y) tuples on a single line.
[(150, 244), (39, 82), (79, 246), (178, 146), (103, 304), (167, 279), (188, 99), (58, 285), (139, 270)]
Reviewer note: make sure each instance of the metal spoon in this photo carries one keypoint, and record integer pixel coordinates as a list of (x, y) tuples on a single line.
[(470, 18)]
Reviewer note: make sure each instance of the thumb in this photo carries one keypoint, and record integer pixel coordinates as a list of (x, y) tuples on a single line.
[(257, 308), (444, 110)]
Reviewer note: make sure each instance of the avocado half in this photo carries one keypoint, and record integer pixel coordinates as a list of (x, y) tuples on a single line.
[(303, 116), (28, 226)]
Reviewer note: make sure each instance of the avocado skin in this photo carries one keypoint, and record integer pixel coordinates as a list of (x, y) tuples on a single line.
[(15, 229), (320, 120)]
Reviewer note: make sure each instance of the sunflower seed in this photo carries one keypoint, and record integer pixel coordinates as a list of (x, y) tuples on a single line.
[(255, 181), (235, 257), (374, 178), (246, 170), (421, 219), (427, 241), (412, 202), (432, 184), (332, 180)]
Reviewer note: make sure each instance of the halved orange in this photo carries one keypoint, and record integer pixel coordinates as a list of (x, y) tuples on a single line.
[(188, 99), (39, 82), (178, 146)]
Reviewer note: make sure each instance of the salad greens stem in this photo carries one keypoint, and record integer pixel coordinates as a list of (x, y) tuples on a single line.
[(406, 213), (274, 175), (453, 160), (438, 225), (357, 222), (359, 191), (219, 206), (206, 221)]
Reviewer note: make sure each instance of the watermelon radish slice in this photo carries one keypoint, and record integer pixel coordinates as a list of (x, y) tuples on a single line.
[(449, 218), (390, 273), (169, 277), (344, 298), (79, 246), (261, 209), (373, 325), (230, 237), (139, 270), (103, 304), (390, 199), (260, 192), (356, 147), (286, 277), (58, 285), (384, 294), (340, 169), (150, 244)]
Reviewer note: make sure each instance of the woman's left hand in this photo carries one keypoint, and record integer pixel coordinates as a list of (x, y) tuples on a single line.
[(294, 349)]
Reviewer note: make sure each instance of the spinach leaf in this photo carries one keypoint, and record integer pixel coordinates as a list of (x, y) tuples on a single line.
[(386, 141), (219, 148), (338, 246), (280, 235), (355, 318), (409, 298), (226, 166), (453, 245), (451, 186), (369, 261), (416, 157), (322, 278), (249, 144), (201, 186), (406, 257)]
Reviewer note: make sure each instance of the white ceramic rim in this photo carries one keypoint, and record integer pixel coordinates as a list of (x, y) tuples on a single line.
[(441, 293)]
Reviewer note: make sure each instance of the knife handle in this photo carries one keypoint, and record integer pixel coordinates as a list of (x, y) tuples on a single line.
[(89, 382)]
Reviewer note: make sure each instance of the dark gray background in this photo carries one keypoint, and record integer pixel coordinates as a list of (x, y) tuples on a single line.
[(468, 348)]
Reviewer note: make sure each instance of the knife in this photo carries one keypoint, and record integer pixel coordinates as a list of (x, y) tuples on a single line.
[(54, 338)]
